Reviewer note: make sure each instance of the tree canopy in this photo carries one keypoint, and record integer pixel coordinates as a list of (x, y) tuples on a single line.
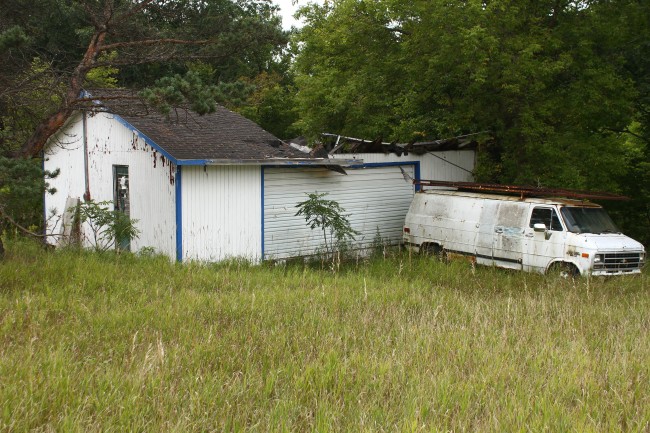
[(61, 46)]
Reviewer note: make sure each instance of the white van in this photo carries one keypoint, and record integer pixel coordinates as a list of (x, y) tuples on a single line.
[(531, 234)]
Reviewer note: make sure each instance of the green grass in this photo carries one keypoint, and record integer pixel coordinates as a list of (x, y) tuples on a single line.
[(120, 343)]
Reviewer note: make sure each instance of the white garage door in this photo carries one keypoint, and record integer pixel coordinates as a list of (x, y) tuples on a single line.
[(375, 198)]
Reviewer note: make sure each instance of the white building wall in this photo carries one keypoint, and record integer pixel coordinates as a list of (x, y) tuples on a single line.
[(221, 212), (64, 152), (449, 165), (151, 177)]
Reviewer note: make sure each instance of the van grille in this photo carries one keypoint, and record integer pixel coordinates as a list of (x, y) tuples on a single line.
[(619, 262)]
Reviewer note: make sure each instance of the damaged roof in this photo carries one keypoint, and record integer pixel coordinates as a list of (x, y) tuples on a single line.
[(339, 144), (186, 135)]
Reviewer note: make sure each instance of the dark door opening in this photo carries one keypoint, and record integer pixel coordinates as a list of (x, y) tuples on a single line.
[(121, 199)]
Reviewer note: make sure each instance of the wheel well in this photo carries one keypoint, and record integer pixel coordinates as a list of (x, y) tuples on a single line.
[(430, 248), (561, 266)]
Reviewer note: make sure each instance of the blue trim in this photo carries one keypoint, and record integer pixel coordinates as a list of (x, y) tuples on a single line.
[(262, 197), (179, 214), (383, 164), (417, 176), (147, 140), (193, 162)]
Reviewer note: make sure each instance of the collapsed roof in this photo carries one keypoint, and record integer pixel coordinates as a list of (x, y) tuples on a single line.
[(339, 144)]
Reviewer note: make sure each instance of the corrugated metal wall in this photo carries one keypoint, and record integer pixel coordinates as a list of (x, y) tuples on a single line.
[(221, 212), (376, 199), (65, 152), (151, 177), (451, 165)]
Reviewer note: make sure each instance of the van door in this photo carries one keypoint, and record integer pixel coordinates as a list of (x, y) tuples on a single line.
[(485, 232), (543, 247), (509, 229)]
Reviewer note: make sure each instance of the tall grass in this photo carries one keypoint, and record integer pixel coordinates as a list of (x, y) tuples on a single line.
[(109, 342)]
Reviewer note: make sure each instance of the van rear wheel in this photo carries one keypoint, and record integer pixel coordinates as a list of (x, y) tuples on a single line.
[(429, 249)]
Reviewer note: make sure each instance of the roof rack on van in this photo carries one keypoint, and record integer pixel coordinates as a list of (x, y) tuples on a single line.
[(522, 191)]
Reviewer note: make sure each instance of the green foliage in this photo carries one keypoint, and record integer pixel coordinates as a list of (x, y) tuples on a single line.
[(271, 104), (176, 90), (328, 216), (22, 185), (36, 92), (108, 342), (153, 42), (108, 228), (103, 77), (12, 37), (537, 78)]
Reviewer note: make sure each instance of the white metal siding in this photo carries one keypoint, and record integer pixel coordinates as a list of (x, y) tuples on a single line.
[(221, 212), (65, 152), (151, 177), (450, 165), (376, 199)]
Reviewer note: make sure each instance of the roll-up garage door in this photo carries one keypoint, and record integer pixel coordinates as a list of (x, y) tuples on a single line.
[(375, 199)]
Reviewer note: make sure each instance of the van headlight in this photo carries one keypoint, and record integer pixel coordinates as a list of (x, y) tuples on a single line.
[(598, 258)]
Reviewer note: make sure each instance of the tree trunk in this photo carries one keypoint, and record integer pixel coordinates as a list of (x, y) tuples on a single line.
[(36, 142)]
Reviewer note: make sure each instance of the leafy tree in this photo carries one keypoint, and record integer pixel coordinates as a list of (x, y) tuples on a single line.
[(271, 104), (348, 70), (22, 185), (327, 215)]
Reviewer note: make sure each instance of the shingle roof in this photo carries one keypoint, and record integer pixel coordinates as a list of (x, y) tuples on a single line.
[(219, 135), (222, 135)]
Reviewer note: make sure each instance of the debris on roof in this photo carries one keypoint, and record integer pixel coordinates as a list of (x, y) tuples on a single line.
[(339, 144)]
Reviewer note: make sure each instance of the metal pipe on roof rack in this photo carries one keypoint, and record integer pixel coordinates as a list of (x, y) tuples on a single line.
[(523, 191)]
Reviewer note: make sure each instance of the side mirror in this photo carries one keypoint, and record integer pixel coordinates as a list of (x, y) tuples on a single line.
[(539, 227)]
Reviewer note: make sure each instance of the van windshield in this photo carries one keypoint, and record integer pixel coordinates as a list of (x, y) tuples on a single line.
[(588, 220)]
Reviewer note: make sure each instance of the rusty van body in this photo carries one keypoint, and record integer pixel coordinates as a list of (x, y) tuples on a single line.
[(530, 234)]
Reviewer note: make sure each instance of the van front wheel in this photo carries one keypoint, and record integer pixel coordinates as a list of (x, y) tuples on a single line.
[(564, 270)]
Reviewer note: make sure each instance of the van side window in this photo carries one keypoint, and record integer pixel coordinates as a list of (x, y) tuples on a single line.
[(546, 216)]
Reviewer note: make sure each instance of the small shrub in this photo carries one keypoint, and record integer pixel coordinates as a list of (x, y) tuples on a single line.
[(329, 216), (108, 228)]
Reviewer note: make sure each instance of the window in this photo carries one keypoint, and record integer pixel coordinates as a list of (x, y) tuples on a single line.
[(546, 216), (588, 220), (121, 188)]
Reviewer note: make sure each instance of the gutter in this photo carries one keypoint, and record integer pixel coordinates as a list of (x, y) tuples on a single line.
[(272, 161)]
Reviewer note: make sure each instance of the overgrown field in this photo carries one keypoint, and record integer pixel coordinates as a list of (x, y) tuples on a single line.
[(121, 343)]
